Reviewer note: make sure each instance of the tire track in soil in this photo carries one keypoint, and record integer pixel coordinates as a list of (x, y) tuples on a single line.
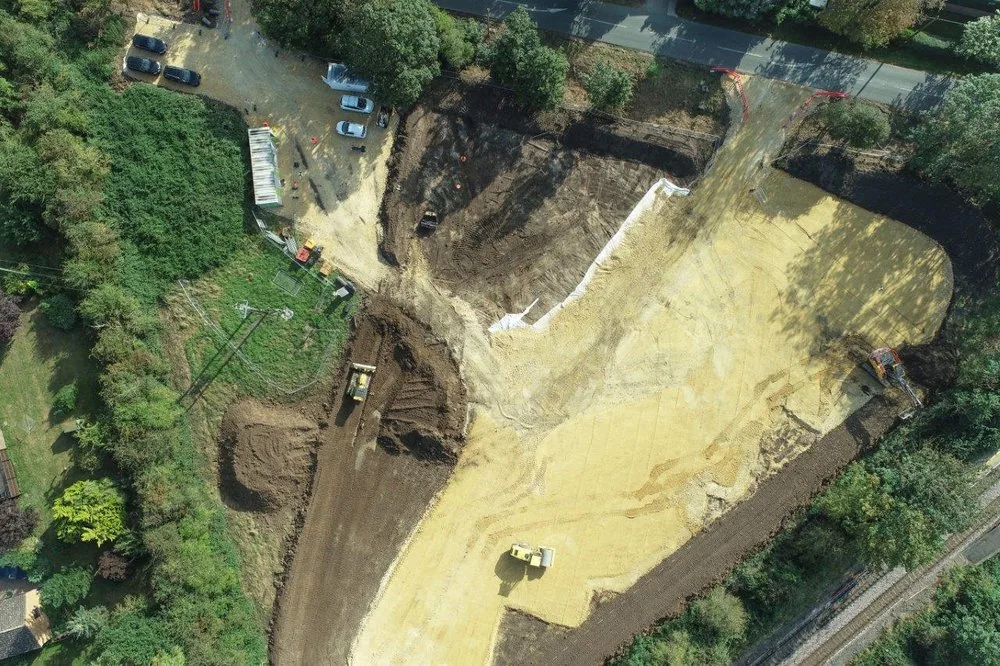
[(704, 559)]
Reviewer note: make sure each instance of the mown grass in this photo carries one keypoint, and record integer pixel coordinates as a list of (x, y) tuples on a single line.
[(286, 354)]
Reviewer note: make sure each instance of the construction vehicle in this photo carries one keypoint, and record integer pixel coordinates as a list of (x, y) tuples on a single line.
[(302, 256), (361, 379), (543, 556), (885, 365), (429, 221)]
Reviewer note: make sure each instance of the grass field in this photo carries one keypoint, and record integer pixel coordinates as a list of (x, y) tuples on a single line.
[(286, 354), (39, 361)]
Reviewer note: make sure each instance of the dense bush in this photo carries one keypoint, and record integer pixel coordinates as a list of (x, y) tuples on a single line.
[(111, 566), (90, 511), (859, 124), (981, 41), (608, 87), (65, 400), (874, 23), (10, 318), (58, 311), (86, 623), (748, 9), (67, 587), (313, 25), (16, 524), (518, 59), (459, 39)]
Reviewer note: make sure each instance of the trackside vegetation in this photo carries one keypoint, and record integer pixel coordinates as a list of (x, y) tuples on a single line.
[(137, 188)]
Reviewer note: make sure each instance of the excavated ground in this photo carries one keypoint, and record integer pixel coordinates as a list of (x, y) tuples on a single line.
[(378, 469), (524, 205), (714, 346)]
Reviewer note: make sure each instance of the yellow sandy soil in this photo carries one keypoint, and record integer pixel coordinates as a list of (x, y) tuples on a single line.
[(646, 407), (243, 71)]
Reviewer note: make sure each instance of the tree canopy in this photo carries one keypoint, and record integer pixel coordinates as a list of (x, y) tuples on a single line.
[(608, 87), (981, 41), (394, 44), (748, 9), (960, 144), (519, 60), (90, 511), (874, 22)]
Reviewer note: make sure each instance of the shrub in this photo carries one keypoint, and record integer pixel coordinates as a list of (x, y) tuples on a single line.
[(748, 9), (111, 566), (859, 124), (10, 318), (65, 400), (457, 48), (58, 310), (981, 41), (608, 87), (90, 511), (86, 623), (66, 588), (15, 524)]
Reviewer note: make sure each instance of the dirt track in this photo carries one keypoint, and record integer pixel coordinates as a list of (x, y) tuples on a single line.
[(710, 350), (369, 490)]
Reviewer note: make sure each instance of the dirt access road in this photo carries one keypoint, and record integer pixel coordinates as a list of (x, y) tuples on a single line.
[(715, 345), (377, 470), (338, 190)]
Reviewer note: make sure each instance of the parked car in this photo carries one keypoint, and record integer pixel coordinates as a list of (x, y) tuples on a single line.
[(147, 43), (355, 103), (339, 77), (181, 75), (144, 65), (354, 130)]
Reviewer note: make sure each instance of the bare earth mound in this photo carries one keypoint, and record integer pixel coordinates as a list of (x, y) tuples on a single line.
[(524, 206), (379, 468), (266, 455)]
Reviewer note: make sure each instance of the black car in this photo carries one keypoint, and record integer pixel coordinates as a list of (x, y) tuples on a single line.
[(181, 75), (147, 43), (144, 65)]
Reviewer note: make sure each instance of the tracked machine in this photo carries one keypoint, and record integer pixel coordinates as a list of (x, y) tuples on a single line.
[(885, 365), (361, 379)]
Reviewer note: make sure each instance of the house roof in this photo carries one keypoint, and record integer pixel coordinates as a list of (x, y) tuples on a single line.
[(15, 637)]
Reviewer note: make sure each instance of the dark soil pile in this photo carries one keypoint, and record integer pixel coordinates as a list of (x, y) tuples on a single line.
[(266, 456)]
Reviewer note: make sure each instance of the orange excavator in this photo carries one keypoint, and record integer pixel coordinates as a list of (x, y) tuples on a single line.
[(885, 365)]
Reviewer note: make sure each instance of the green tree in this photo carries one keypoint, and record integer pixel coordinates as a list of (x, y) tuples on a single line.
[(719, 617), (960, 144), (608, 87), (748, 9), (899, 505), (59, 312), (86, 623), (859, 124), (315, 25), (535, 72), (65, 400), (458, 47), (981, 41), (132, 636), (66, 588), (874, 23), (172, 658), (394, 44), (90, 511)]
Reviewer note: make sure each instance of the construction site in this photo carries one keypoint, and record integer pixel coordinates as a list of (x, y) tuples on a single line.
[(594, 362)]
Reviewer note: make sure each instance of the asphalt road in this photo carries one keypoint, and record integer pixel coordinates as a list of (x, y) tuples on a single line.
[(651, 28)]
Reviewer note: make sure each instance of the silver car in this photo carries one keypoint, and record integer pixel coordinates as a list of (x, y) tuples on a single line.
[(355, 103), (353, 130)]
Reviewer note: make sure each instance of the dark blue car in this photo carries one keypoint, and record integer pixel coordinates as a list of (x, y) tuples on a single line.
[(151, 44)]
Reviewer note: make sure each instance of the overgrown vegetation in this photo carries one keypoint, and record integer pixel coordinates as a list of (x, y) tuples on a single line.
[(981, 41), (145, 186), (962, 626), (608, 87), (896, 505), (860, 124), (518, 59)]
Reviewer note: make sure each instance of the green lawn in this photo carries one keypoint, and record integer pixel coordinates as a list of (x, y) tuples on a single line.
[(287, 354), (34, 366)]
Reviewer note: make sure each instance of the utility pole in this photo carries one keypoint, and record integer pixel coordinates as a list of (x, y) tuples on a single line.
[(201, 383)]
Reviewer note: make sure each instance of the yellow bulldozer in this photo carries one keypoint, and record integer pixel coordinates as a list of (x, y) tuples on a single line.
[(361, 379)]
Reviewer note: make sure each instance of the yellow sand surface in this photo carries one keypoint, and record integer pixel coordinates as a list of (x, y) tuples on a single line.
[(725, 322)]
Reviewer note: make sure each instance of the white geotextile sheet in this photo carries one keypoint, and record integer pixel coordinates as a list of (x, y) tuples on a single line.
[(516, 320)]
